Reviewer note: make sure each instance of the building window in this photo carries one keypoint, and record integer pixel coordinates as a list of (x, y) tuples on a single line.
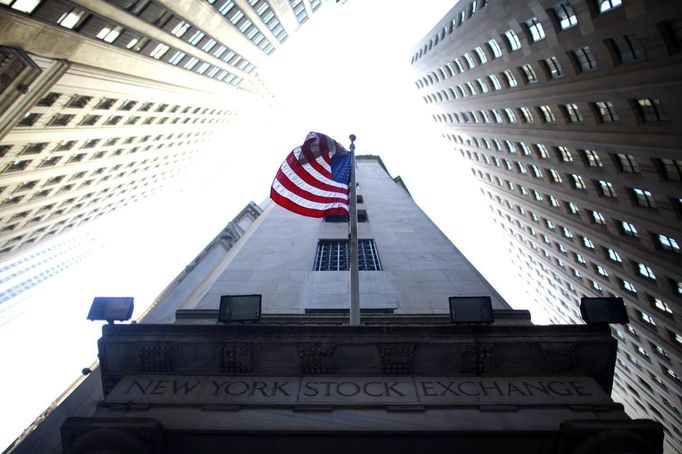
[(668, 243), (567, 232), (61, 120), (25, 6), (105, 103), (614, 256), (644, 198), (362, 217), (512, 40), (630, 287), (33, 148), (646, 271), (587, 243), (334, 255), (547, 114), (598, 218), (665, 308), (564, 154), (573, 208), (607, 190), (29, 119), (110, 33), (650, 110), (629, 229), (511, 80), (176, 58), (180, 29), (495, 82), (529, 73), (89, 120), (573, 113), (72, 18), (49, 99), (606, 111), (585, 58), (481, 55), (592, 158), (579, 258), (565, 15), (645, 317), (159, 51), (543, 153), (578, 182), (672, 169), (17, 166), (495, 48), (537, 33), (554, 176), (553, 67), (528, 116), (627, 163), (608, 5), (510, 115), (628, 48)]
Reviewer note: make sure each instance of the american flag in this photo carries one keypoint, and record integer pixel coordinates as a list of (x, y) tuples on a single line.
[(314, 179)]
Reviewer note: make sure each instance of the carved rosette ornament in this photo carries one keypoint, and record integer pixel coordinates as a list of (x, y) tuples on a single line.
[(478, 358), (396, 358), (156, 357), (315, 358), (237, 357), (557, 357)]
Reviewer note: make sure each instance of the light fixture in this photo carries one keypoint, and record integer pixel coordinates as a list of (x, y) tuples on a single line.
[(604, 310), (239, 308), (111, 308), (471, 309)]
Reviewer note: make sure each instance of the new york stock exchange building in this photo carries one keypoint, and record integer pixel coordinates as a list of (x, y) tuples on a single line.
[(297, 377)]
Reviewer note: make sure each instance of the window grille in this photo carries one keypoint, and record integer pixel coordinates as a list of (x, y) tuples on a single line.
[(334, 255)]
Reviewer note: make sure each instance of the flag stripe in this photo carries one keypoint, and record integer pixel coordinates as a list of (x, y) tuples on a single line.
[(315, 164), (289, 204), (309, 192), (309, 182), (299, 175), (294, 161)]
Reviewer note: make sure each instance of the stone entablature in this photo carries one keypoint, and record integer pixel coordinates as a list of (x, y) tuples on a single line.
[(367, 351)]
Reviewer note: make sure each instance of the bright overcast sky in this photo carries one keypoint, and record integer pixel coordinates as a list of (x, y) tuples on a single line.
[(347, 71)]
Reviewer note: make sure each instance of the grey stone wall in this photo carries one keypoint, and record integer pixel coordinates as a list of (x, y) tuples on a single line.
[(421, 267)]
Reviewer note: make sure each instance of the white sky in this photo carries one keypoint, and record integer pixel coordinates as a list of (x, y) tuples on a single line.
[(347, 71)]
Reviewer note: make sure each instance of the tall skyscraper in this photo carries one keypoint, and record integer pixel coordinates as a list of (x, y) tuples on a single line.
[(295, 376), (103, 102), (569, 115)]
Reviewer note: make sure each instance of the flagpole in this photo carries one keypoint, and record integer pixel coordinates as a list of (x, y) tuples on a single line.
[(353, 240)]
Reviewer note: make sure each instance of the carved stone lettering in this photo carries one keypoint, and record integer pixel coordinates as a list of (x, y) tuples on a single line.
[(354, 391)]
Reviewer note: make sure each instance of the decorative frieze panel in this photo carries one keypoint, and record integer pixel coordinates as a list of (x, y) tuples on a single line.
[(237, 357), (315, 358), (478, 358), (156, 357), (396, 358), (557, 357)]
